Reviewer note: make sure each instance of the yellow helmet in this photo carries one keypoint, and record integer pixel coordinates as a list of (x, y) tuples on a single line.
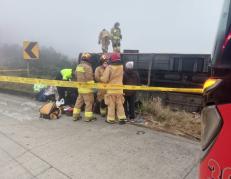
[(86, 56)]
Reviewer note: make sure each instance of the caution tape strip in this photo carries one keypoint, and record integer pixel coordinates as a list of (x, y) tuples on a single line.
[(72, 84)]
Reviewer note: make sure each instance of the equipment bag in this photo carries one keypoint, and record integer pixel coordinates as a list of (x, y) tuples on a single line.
[(50, 111)]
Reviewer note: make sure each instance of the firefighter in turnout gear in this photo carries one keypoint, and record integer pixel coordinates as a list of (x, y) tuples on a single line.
[(84, 74), (116, 37), (98, 74), (114, 99), (104, 40)]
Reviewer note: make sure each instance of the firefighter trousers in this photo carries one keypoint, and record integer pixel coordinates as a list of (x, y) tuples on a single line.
[(115, 107), (88, 100), (105, 44), (116, 45), (100, 99)]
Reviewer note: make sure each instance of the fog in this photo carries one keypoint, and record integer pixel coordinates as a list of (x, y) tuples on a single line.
[(73, 26)]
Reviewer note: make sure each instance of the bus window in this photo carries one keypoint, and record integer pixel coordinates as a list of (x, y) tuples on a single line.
[(176, 62), (222, 33), (200, 66), (188, 64)]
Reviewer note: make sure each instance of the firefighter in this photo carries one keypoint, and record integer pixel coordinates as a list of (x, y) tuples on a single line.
[(114, 99), (116, 37), (65, 75), (84, 73), (98, 74), (104, 40)]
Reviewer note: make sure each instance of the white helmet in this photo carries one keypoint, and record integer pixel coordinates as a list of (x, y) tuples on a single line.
[(129, 65)]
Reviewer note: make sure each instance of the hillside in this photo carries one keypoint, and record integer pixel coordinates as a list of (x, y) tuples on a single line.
[(49, 64)]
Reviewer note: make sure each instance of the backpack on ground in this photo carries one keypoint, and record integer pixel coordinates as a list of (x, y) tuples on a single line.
[(50, 111)]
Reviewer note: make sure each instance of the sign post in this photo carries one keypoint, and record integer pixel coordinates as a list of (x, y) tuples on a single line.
[(28, 68), (30, 51)]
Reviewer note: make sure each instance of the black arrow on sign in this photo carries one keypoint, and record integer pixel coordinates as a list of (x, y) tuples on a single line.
[(29, 48)]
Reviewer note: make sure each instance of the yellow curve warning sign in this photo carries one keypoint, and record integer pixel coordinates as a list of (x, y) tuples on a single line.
[(72, 84), (30, 50)]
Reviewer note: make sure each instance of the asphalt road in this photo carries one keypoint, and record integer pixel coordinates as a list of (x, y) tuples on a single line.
[(36, 148)]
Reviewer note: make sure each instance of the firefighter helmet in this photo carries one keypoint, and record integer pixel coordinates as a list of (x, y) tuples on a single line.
[(117, 24), (115, 57), (86, 56), (104, 58)]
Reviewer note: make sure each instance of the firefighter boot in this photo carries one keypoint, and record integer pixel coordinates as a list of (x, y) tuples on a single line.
[(76, 117)]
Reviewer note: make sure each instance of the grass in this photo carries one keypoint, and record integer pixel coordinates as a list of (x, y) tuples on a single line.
[(17, 87), (176, 122), (25, 88)]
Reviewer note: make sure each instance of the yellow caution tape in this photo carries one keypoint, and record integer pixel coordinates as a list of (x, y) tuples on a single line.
[(72, 84)]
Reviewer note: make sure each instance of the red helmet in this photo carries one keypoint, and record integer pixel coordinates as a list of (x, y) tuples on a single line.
[(115, 57)]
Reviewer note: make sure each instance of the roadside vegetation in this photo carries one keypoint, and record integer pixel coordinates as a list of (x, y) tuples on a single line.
[(21, 88), (177, 122), (49, 64)]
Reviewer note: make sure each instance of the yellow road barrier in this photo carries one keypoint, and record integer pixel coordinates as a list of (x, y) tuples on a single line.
[(72, 84)]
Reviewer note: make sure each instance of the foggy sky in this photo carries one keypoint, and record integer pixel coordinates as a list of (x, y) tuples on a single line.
[(72, 26)]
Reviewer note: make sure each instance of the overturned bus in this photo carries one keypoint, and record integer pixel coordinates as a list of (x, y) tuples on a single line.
[(169, 70)]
